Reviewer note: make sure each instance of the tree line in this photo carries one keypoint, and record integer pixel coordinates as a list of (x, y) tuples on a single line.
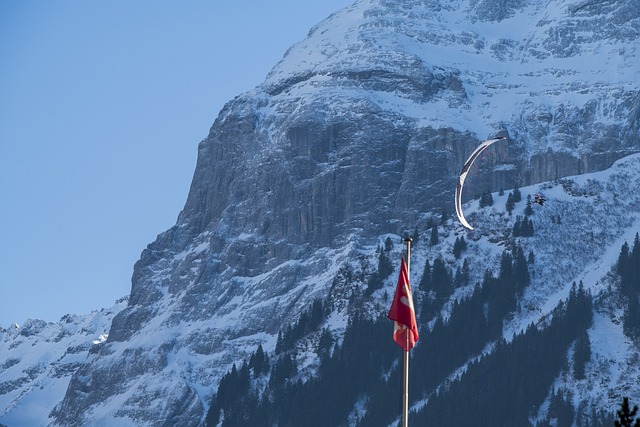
[(363, 370), (503, 382), (628, 269)]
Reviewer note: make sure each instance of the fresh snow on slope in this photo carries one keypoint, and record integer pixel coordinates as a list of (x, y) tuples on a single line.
[(507, 68), (38, 358), (578, 235), (224, 280)]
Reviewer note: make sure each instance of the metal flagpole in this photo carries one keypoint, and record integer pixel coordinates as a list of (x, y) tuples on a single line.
[(405, 385)]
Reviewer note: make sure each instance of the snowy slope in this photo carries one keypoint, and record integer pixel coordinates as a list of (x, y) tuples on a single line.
[(578, 236), (38, 358), (527, 65), (356, 135), (300, 176), (577, 239)]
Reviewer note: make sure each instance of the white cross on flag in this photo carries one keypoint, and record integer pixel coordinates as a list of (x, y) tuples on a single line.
[(405, 331)]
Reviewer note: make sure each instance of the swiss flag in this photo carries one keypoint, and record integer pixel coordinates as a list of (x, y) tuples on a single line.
[(405, 331)]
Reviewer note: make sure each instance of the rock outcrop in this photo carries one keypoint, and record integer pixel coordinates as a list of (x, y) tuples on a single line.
[(359, 131)]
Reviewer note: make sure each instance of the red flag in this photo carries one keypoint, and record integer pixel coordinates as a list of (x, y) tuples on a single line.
[(405, 331)]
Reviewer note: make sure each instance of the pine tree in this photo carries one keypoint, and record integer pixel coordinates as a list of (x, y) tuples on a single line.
[(623, 259), (257, 362), (385, 268), (426, 276), (626, 416), (444, 217), (561, 409), (489, 199), (511, 203), (283, 370), (486, 199), (325, 343), (528, 211), (517, 227), (317, 314), (522, 227), (517, 196), (628, 268), (581, 355), (506, 268), (388, 244), (466, 272), (434, 236), (459, 246), (463, 275), (441, 281), (282, 341)]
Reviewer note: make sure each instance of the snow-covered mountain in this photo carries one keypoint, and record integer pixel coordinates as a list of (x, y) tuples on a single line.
[(38, 358), (356, 135), (578, 237)]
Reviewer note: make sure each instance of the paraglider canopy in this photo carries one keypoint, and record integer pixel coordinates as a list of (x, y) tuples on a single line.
[(463, 176)]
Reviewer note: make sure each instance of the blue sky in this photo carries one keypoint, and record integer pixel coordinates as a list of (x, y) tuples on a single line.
[(102, 106)]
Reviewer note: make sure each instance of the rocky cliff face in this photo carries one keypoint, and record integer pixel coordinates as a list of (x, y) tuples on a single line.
[(360, 130)]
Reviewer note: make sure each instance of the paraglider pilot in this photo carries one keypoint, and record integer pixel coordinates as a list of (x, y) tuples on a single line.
[(539, 200)]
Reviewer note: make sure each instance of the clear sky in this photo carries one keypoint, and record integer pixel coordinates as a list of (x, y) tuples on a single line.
[(102, 106)]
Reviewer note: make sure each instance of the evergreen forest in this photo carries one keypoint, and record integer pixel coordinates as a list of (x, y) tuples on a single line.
[(357, 382)]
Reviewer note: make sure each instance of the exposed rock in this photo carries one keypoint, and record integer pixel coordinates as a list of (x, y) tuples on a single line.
[(359, 131)]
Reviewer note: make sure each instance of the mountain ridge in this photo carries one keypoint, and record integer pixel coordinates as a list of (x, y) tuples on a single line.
[(359, 133), (39, 358), (285, 182)]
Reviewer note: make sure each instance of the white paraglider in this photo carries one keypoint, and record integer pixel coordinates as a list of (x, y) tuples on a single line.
[(463, 176)]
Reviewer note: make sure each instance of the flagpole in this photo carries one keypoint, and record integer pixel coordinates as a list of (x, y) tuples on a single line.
[(405, 382)]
